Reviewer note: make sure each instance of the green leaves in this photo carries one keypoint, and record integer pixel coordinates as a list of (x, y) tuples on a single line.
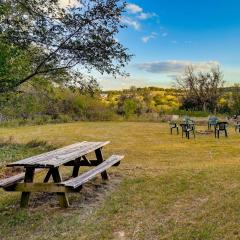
[(51, 38), (14, 65)]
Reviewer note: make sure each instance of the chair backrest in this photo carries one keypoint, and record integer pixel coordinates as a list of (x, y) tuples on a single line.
[(184, 126), (222, 125), (187, 120), (190, 122), (213, 120)]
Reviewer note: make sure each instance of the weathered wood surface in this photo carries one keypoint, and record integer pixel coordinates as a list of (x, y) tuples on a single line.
[(62, 197), (14, 179), (39, 187), (89, 163), (29, 176), (85, 177), (60, 156)]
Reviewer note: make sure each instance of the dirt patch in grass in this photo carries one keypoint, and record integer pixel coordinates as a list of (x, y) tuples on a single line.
[(92, 194)]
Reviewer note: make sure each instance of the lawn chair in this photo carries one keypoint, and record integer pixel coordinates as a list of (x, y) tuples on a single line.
[(212, 121), (186, 119), (173, 125), (221, 127), (187, 128), (237, 126)]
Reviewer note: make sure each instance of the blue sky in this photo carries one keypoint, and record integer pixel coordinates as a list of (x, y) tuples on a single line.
[(167, 35)]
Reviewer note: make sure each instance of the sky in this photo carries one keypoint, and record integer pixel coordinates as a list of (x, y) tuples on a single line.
[(165, 36)]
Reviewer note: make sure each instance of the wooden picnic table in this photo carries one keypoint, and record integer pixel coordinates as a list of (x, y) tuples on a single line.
[(73, 155)]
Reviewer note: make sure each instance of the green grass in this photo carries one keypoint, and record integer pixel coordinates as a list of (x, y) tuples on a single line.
[(166, 187)]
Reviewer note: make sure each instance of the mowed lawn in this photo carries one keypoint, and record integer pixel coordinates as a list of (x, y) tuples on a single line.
[(165, 188)]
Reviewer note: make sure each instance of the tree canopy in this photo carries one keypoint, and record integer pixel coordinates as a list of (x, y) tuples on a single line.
[(42, 38), (201, 89)]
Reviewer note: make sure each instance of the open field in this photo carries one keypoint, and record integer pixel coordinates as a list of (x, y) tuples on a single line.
[(166, 187)]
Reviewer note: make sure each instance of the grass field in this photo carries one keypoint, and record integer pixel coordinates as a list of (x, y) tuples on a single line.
[(166, 187)]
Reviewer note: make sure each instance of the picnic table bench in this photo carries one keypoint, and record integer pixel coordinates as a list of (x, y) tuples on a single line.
[(74, 156)]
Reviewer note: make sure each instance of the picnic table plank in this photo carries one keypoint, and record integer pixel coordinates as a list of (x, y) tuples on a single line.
[(39, 187), (46, 155), (60, 156), (85, 177), (14, 179)]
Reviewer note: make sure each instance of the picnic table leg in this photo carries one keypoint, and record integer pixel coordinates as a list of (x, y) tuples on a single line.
[(29, 175), (76, 167), (49, 173), (62, 197), (99, 157)]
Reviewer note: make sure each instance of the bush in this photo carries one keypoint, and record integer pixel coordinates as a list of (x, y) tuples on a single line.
[(129, 107)]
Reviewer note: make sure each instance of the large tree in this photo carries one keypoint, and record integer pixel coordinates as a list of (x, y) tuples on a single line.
[(54, 39), (201, 89)]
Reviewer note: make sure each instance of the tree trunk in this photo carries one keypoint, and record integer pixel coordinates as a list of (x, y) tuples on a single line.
[(204, 107)]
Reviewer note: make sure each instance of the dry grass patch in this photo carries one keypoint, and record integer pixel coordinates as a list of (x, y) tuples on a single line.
[(168, 187)]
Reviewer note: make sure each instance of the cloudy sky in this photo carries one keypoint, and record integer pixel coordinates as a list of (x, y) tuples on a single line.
[(167, 35)]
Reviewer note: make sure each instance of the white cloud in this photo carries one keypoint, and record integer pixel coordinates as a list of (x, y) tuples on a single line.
[(147, 38), (130, 22), (139, 12), (144, 16), (133, 8), (175, 66)]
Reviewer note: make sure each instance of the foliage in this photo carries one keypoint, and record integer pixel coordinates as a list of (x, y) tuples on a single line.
[(14, 65), (236, 100), (129, 107), (41, 102), (202, 89), (60, 40), (230, 101)]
